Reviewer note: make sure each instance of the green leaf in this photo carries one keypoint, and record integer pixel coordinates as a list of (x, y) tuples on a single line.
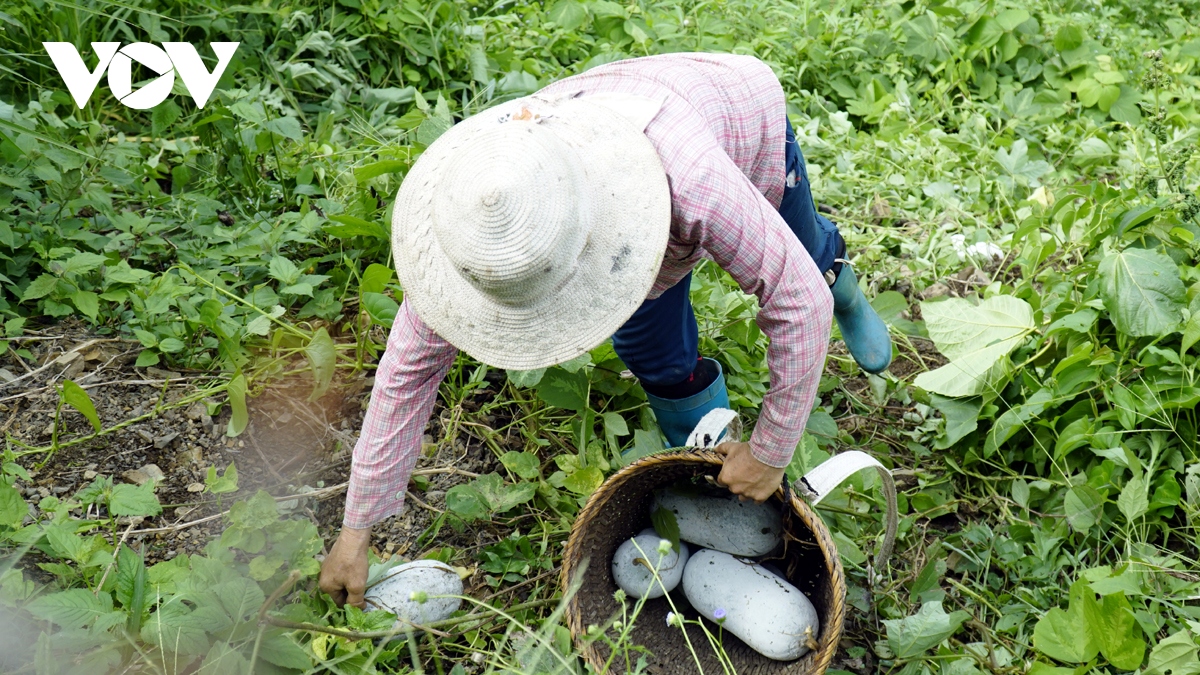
[(929, 627), (1084, 505), (171, 345), (1191, 333), (564, 390), (13, 508), (82, 262), (40, 288), (524, 464), (349, 226), (283, 270), (134, 500), (74, 608), (376, 278), (174, 629), (87, 302), (76, 397), (278, 648), (526, 378), (1176, 655), (227, 482), (147, 358), (237, 403), (163, 115), (1011, 18), (1133, 501), (322, 356), (288, 127), (1064, 635), (1068, 37), (976, 338), (584, 481), (381, 308), (365, 173), (567, 14), (1118, 632), (666, 526), (961, 415), (1125, 108), (466, 501), (1142, 292)]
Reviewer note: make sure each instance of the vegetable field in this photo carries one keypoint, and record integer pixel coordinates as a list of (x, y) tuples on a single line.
[(193, 301)]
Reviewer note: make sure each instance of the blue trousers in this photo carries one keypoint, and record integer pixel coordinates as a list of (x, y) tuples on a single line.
[(659, 343)]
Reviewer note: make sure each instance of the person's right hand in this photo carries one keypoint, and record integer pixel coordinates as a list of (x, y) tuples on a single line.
[(344, 571)]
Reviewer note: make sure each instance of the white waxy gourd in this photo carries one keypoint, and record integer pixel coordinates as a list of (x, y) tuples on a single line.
[(633, 577), (395, 592), (723, 523), (769, 614)]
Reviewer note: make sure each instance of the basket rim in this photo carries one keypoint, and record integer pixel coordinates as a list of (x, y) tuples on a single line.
[(831, 630)]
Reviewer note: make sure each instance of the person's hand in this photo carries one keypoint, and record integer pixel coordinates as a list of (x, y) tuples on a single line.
[(744, 475), (344, 570)]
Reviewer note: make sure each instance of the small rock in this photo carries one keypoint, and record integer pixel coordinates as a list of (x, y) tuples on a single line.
[(6, 375), (163, 441), (145, 435), (163, 374), (146, 473), (89, 474), (193, 454), (935, 291), (195, 487)]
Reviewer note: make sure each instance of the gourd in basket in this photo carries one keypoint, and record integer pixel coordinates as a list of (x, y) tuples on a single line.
[(808, 559)]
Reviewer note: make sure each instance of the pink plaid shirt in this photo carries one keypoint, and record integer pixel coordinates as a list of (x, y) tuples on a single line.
[(720, 135)]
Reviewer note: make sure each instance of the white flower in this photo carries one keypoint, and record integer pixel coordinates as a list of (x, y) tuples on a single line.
[(670, 618), (664, 547)]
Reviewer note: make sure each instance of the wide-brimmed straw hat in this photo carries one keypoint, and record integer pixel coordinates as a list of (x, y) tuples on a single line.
[(527, 234)]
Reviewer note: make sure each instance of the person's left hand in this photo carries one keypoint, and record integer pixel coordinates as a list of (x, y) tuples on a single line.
[(744, 475)]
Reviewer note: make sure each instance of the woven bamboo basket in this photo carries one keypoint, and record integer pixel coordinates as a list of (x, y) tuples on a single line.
[(620, 509)]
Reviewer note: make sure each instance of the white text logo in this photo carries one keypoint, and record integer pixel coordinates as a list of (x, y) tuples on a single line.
[(171, 58)]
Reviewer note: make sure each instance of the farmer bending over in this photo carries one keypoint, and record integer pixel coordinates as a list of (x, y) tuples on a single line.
[(533, 231)]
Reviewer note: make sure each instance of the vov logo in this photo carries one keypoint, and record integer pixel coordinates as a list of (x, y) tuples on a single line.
[(171, 58)]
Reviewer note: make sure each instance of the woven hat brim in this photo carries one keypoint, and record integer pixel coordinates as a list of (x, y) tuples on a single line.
[(631, 208)]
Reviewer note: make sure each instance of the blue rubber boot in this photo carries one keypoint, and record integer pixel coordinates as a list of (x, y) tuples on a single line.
[(866, 334), (677, 417)]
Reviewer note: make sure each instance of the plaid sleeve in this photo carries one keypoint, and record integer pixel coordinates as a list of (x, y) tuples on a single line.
[(406, 386), (718, 206)]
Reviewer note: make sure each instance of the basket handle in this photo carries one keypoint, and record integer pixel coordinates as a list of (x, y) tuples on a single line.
[(819, 482)]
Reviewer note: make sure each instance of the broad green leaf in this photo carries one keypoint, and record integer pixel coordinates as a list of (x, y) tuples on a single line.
[(278, 648), (920, 632), (1084, 506), (567, 14), (82, 262), (283, 270), (134, 500), (1133, 501), (174, 629), (1142, 292), (76, 397), (375, 278), (666, 526), (1042, 668), (1068, 37), (1175, 655), (1061, 636), (1191, 334), (40, 288), (13, 508), (564, 390), (381, 308), (1117, 632), (524, 464), (87, 302), (961, 415), (976, 339), (349, 226), (237, 403), (74, 608), (288, 127), (584, 481), (1011, 18), (171, 345), (322, 356), (526, 378), (466, 501), (365, 173)]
